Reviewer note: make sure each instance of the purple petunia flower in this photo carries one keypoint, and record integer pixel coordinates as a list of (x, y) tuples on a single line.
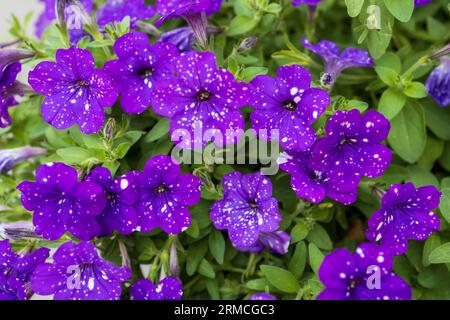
[(335, 62), (277, 242), (312, 3), (365, 275), (247, 209), (60, 203), (418, 3), (117, 10), (201, 98), (15, 271), (139, 67), (9, 86), (78, 273), (75, 92), (49, 15), (169, 288), (438, 83), (405, 213), (9, 158), (352, 148), (182, 38), (262, 296), (193, 11), (312, 184), (166, 195), (287, 104), (122, 195)]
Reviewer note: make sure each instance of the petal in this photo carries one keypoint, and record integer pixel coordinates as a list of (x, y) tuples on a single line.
[(312, 104), (185, 190), (47, 279), (337, 268), (373, 126)]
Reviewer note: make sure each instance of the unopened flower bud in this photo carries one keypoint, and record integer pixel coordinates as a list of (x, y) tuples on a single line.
[(247, 44), (9, 158)]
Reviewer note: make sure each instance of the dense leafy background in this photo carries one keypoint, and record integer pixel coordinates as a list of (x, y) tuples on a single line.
[(210, 267)]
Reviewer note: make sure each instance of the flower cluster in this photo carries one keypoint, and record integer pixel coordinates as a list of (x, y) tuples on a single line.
[(169, 288)]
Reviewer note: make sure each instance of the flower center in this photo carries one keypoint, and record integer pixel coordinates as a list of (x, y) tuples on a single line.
[(253, 205), (318, 176), (161, 188), (203, 96), (290, 105), (82, 83), (145, 73)]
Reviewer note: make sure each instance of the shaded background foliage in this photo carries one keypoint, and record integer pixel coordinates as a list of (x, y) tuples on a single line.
[(210, 267)]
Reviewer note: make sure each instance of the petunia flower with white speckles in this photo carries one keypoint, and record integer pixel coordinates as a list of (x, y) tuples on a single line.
[(247, 209), (352, 148), (289, 105), (165, 195), (117, 10), (201, 98), (277, 242), (75, 92), (139, 67), (122, 195), (61, 203), (169, 288), (78, 273), (364, 275), (405, 213), (262, 296)]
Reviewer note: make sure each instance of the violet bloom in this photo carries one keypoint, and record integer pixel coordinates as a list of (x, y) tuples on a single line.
[(166, 195), (182, 38), (405, 213), (15, 271), (262, 296), (139, 67), (201, 99), (169, 288), (60, 203), (288, 106), (277, 242), (75, 92), (418, 3), (312, 3), (122, 194), (9, 158), (10, 67), (365, 275), (314, 185), (117, 10), (78, 273), (438, 83), (49, 14), (194, 12), (247, 209), (335, 62), (352, 148)]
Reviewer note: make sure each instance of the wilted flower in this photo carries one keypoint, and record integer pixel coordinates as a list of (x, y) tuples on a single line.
[(277, 242), (60, 203), (16, 269), (335, 62), (262, 296), (169, 288), (9, 158), (365, 275), (202, 97), (75, 92), (247, 44), (438, 83), (78, 273), (405, 213), (18, 230), (139, 67), (247, 209), (117, 10), (166, 195), (288, 105), (313, 3), (182, 38)]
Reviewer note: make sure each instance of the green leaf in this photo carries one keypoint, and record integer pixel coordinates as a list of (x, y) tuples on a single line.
[(281, 279), (297, 262), (299, 232), (391, 103), (421, 176), (205, 269), (251, 72), (430, 244), (433, 150), (194, 255), (437, 118), (416, 90), (441, 254), (408, 134), (73, 155), (315, 257), (159, 130), (436, 30), (273, 8), (217, 246), (257, 284), (387, 75), (354, 7), (401, 9), (444, 160), (444, 205), (241, 24), (320, 237)]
